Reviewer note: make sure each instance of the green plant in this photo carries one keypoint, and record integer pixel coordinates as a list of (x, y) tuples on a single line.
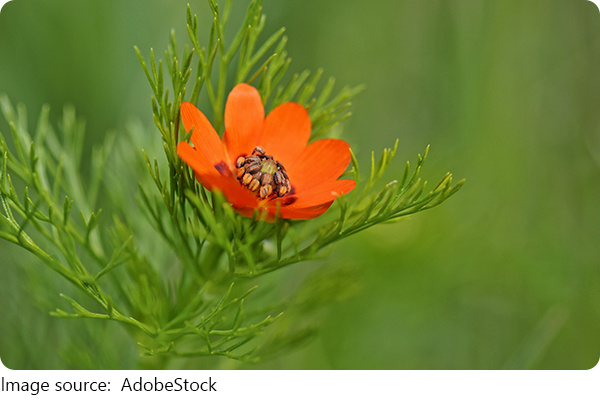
[(190, 287)]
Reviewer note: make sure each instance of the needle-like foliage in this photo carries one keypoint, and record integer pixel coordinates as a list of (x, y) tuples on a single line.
[(189, 288)]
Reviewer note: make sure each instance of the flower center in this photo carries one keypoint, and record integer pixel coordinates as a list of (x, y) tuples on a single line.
[(262, 174)]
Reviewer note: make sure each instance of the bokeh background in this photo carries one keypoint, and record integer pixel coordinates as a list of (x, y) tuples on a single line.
[(506, 274)]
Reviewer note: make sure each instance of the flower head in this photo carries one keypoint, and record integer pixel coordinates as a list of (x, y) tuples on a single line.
[(266, 164)]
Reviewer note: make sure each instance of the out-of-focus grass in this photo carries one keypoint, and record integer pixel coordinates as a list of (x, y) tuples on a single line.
[(504, 275)]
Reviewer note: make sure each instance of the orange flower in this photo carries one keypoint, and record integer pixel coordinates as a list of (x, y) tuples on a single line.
[(263, 163)]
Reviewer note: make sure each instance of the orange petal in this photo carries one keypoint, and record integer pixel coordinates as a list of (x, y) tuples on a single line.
[(304, 213), (286, 133), (235, 193), (321, 194), (268, 214), (205, 138), (195, 159), (244, 119), (217, 176), (262, 214), (321, 162)]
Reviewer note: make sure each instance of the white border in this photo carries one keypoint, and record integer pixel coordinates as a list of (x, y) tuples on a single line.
[(310, 385)]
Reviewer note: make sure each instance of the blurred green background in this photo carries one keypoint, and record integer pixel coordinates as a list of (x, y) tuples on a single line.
[(506, 274)]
